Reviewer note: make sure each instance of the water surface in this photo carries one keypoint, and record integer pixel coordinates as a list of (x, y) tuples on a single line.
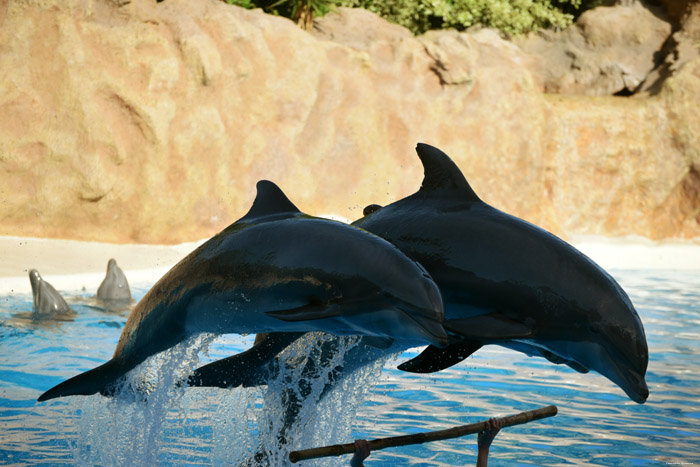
[(596, 425)]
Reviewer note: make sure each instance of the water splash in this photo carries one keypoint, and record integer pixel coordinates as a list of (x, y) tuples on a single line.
[(127, 429), (307, 402)]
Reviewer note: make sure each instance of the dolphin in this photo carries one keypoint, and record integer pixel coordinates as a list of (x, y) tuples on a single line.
[(276, 269), (504, 281), (114, 286), (47, 301), (508, 282)]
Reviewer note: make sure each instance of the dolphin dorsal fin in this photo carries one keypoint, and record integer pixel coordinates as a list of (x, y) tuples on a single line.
[(441, 173), (270, 200)]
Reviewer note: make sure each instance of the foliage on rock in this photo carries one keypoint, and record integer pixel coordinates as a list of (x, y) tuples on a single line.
[(419, 16), (301, 12)]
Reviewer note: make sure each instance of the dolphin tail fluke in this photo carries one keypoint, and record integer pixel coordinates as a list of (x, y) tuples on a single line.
[(243, 369), (434, 359), (91, 382)]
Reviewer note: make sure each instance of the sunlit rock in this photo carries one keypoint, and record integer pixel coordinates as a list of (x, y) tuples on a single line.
[(151, 122)]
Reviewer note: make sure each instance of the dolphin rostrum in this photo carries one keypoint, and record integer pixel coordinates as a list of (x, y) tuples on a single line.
[(503, 280), (276, 269), (114, 286), (47, 301)]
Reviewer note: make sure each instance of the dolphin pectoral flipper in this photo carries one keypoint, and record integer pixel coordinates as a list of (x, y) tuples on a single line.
[(434, 359), (377, 342), (554, 358), (308, 312), (577, 367), (243, 369), (489, 326)]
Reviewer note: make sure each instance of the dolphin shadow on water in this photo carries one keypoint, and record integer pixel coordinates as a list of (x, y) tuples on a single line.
[(504, 282), (276, 270)]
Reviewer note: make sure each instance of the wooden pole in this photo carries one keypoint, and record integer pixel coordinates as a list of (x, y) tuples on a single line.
[(425, 437)]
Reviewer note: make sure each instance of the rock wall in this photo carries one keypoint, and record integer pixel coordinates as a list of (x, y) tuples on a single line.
[(609, 50), (145, 122)]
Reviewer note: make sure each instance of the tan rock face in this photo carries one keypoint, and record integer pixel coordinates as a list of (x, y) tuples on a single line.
[(608, 50), (152, 122)]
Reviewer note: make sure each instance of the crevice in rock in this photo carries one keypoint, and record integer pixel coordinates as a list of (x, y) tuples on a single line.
[(690, 192), (93, 199), (624, 92)]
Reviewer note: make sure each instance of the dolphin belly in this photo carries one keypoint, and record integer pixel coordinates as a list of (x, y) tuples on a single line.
[(286, 308), (588, 355)]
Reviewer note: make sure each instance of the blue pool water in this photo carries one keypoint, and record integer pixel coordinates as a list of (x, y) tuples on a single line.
[(596, 424)]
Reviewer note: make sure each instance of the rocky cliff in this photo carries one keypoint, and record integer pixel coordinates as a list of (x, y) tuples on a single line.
[(144, 122)]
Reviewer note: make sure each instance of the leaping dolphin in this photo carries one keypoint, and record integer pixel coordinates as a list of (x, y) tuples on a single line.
[(114, 286), (511, 283), (504, 281), (47, 301), (276, 269)]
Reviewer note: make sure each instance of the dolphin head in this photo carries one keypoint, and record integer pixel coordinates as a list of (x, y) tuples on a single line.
[(114, 286), (622, 354), (419, 304), (34, 280), (46, 300), (597, 327)]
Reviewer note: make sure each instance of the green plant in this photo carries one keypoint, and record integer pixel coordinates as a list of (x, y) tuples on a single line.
[(303, 12), (509, 16)]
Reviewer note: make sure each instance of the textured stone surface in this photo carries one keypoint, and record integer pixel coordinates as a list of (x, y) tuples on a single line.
[(608, 50), (152, 122), (681, 48)]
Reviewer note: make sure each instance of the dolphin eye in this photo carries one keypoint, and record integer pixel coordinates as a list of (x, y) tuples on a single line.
[(594, 328)]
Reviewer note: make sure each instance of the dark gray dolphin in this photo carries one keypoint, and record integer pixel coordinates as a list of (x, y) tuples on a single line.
[(504, 281), (114, 286), (276, 269), (508, 282), (47, 301)]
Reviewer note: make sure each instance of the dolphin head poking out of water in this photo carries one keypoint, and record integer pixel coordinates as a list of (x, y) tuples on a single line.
[(277, 270), (46, 300), (507, 282), (114, 286)]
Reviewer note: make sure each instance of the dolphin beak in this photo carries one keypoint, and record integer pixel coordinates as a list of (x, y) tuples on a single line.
[(642, 393), (630, 380), (430, 330), (634, 385), (427, 311)]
